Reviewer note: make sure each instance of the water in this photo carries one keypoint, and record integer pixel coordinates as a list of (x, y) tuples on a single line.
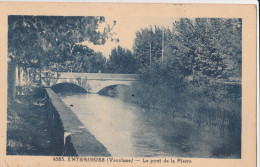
[(128, 130)]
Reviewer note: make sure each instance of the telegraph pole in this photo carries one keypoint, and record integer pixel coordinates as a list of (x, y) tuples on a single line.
[(162, 43), (150, 52)]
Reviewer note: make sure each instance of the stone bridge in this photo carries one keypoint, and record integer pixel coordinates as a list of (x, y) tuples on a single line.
[(91, 82)]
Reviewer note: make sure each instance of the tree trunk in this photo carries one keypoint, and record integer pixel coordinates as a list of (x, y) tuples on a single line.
[(11, 79), (40, 77), (19, 76)]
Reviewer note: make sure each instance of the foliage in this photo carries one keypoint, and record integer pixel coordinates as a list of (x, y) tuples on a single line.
[(148, 46), (34, 41), (208, 47), (121, 61), (83, 59), (196, 50)]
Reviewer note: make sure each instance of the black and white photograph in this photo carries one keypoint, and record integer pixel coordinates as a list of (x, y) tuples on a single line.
[(124, 86), (168, 87)]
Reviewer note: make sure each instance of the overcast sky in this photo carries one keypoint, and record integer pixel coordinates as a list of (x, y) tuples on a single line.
[(126, 29)]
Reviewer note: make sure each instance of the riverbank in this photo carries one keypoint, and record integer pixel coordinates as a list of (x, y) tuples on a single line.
[(40, 124), (69, 132), (27, 126), (214, 109)]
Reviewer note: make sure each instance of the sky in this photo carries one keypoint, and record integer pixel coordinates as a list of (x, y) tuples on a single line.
[(126, 28)]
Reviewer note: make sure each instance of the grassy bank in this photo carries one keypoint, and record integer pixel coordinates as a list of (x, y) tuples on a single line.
[(214, 108), (27, 127)]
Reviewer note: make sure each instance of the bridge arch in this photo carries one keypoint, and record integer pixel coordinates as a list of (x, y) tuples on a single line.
[(91, 82), (112, 90), (69, 87), (96, 86)]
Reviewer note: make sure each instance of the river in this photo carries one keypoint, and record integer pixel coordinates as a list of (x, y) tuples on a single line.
[(128, 130)]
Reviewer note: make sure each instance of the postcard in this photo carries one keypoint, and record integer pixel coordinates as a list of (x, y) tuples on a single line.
[(128, 84)]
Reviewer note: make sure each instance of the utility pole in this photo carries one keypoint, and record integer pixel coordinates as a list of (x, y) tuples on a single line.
[(150, 52), (162, 43)]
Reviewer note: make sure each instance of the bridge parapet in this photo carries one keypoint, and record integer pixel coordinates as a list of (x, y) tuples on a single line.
[(93, 82), (98, 76), (68, 131)]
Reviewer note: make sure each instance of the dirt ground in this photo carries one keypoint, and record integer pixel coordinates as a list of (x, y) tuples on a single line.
[(27, 128)]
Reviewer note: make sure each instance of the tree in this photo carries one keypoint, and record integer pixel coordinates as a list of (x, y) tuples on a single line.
[(148, 46), (83, 59), (35, 40), (39, 41), (200, 49), (207, 47), (95, 63), (121, 61)]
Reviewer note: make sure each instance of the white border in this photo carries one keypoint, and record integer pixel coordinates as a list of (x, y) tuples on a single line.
[(257, 89), (188, 1), (150, 1)]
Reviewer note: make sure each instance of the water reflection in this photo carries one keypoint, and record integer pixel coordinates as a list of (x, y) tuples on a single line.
[(126, 129), (115, 124)]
